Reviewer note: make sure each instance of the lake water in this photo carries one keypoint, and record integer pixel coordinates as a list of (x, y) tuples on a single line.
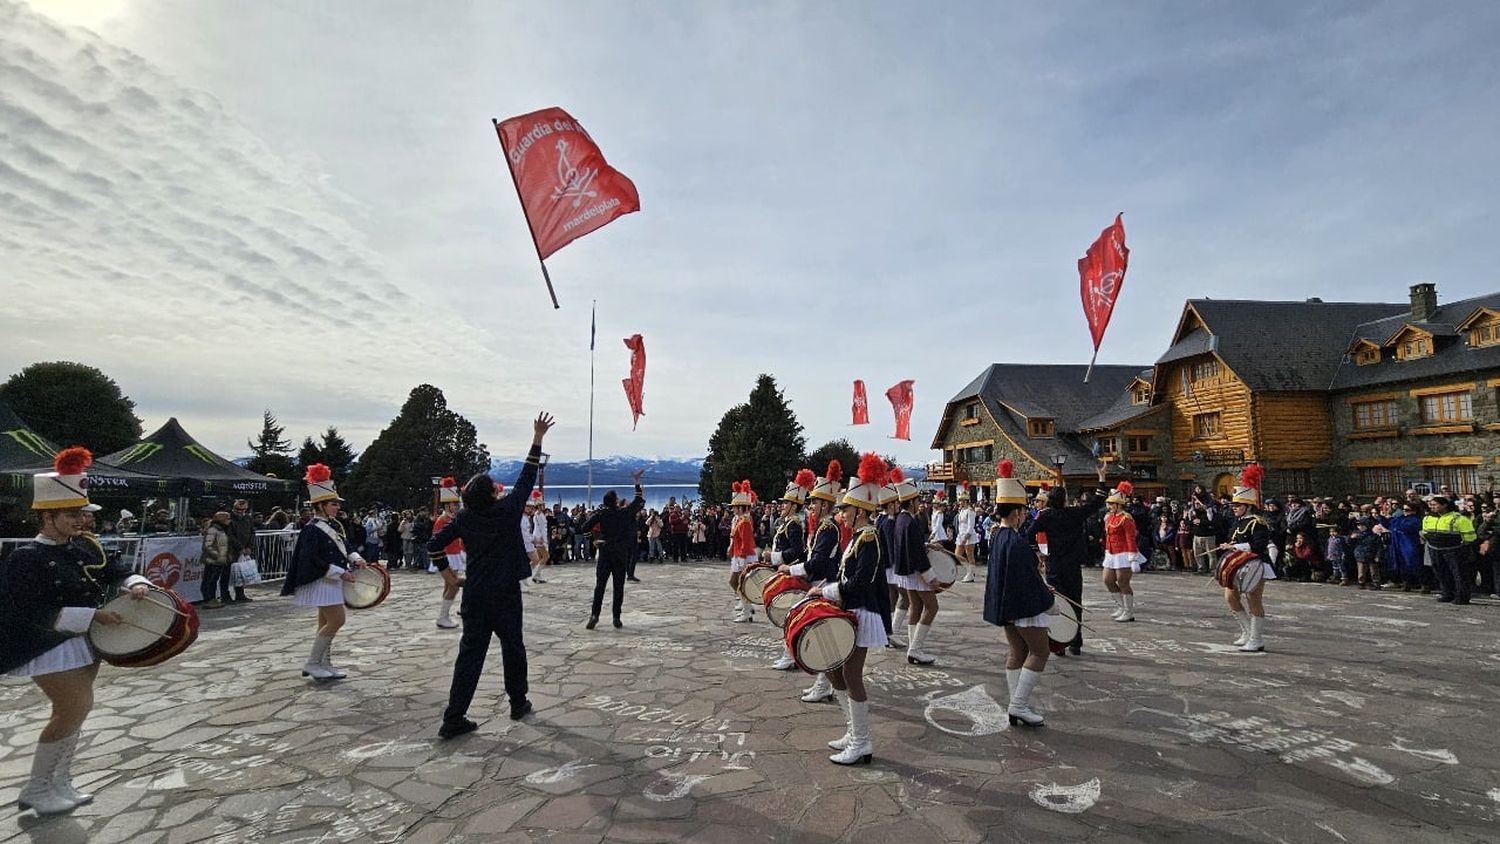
[(657, 495)]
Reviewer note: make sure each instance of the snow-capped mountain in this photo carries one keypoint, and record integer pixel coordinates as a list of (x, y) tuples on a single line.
[(614, 469)]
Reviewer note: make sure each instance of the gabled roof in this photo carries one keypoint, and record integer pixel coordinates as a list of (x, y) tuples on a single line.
[(24, 453), (1278, 346), (1122, 410), (172, 452), (1447, 358), (1477, 314), (1431, 329)]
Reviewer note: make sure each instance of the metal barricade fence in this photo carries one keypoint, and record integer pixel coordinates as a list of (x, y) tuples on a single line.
[(273, 551)]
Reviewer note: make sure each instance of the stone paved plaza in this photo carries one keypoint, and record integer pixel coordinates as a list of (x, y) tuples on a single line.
[(1371, 719)]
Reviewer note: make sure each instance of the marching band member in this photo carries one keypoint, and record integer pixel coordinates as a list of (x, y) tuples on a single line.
[(534, 531), (1121, 559), (320, 562), (858, 588), (907, 540), (449, 499), (788, 546), (822, 553), (741, 546), (965, 538), (1016, 597), (885, 527), (1251, 533), (938, 525), (51, 591)]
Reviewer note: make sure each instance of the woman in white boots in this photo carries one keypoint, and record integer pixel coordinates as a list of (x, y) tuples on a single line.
[(788, 545), (860, 588), (51, 591), (965, 533), (741, 546), (1017, 598), (822, 563), (320, 563), (448, 498), (1121, 559), (1253, 534)]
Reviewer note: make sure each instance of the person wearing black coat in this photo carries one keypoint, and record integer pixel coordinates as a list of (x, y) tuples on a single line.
[(490, 526), (1016, 598), (1067, 544), (617, 528)]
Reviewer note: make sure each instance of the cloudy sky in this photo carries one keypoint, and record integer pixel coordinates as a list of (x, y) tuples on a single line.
[(231, 206)]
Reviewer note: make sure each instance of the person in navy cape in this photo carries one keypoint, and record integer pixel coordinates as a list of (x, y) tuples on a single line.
[(1017, 598), (321, 562)]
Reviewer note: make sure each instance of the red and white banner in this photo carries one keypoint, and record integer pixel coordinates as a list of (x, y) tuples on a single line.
[(172, 562), (1101, 274), (901, 401), (635, 385), (861, 408), (567, 188)]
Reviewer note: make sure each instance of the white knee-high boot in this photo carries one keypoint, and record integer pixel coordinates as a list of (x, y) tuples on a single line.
[(1243, 619), (333, 673), (62, 775), (819, 691), (444, 610), (861, 747), (1127, 613), (842, 699), (1119, 600), (314, 667), (916, 653), (1254, 644), (1020, 711), (41, 794)]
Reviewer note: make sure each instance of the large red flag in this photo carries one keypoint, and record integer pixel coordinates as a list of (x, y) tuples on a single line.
[(1101, 274), (567, 188), (861, 407), (635, 385), (901, 401)]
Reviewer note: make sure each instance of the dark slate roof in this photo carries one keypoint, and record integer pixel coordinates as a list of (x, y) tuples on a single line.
[(171, 452), (1452, 354), (1195, 342), (1121, 411), (1291, 346)]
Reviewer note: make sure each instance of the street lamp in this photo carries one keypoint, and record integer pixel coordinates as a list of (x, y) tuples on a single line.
[(1058, 460), (541, 474), (436, 482)]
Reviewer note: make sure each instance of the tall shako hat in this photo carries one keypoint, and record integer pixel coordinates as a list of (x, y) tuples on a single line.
[(1008, 490), (320, 486), (743, 495), (536, 499), (940, 498), (797, 490), (827, 487), (872, 475), (1121, 494), (1249, 490), (448, 491), (66, 487), (906, 488), (890, 492), (963, 491)]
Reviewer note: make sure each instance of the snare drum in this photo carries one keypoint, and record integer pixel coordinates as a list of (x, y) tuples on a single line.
[(944, 571), (753, 580), (1062, 625), (782, 592), (819, 635), (368, 588), (154, 629), (1241, 571)]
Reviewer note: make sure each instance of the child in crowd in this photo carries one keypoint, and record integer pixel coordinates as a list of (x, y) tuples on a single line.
[(1336, 555), (1366, 545)]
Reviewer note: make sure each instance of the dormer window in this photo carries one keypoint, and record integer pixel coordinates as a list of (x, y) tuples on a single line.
[(1411, 343), (1040, 428), (1140, 395), (1366, 354), (1483, 328)]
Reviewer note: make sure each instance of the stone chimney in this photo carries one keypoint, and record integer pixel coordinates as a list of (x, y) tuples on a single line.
[(1423, 301)]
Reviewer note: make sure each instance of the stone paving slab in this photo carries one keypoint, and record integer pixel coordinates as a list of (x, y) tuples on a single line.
[(1369, 720)]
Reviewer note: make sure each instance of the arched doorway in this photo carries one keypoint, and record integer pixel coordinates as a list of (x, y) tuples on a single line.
[(1224, 484)]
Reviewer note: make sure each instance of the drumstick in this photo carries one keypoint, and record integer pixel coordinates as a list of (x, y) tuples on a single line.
[(138, 627), (1079, 607)]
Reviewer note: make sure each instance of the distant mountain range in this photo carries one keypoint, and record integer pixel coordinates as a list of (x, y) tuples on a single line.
[(608, 471)]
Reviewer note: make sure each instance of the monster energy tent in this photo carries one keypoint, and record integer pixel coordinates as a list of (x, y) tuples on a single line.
[(171, 452), (24, 452)]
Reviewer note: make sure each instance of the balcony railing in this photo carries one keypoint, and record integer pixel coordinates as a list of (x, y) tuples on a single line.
[(942, 472)]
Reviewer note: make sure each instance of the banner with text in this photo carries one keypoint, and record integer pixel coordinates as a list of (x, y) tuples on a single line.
[(171, 562)]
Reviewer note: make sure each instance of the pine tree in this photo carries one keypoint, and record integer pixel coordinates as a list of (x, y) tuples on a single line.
[(308, 454), (760, 441), (424, 441), (337, 454), (273, 455), (73, 404), (839, 449)]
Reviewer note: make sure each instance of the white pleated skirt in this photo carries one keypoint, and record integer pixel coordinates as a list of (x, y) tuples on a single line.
[(459, 562), (1123, 560), (74, 653), (892, 578), (320, 593), (870, 632), (737, 564), (912, 583), (1033, 621)]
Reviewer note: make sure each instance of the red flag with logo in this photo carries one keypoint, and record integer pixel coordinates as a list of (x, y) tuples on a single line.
[(901, 401), (567, 189), (1101, 274), (635, 385), (861, 407)]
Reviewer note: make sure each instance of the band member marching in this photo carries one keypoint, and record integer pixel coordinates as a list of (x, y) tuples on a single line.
[(1016, 597), (788, 545), (320, 563), (1121, 559), (965, 537), (741, 546), (51, 591), (1251, 534), (534, 531), (822, 561), (860, 588), (448, 497)]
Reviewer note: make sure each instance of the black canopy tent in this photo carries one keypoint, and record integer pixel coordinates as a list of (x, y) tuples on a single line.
[(171, 452), (24, 452)]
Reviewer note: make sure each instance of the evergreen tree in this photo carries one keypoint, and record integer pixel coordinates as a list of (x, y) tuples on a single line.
[(272, 454), (839, 449), (308, 454), (760, 441), (424, 441), (73, 404), (336, 454)]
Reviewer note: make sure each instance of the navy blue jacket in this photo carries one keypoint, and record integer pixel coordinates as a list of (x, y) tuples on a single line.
[(1015, 588), (823, 552)]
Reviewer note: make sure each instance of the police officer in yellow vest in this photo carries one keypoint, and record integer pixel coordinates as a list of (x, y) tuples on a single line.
[(1449, 536)]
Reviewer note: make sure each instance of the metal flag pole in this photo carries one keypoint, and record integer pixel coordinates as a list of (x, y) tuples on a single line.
[(593, 330), (529, 228), (1090, 370)]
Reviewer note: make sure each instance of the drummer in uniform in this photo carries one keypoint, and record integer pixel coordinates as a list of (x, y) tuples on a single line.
[(859, 588), (1251, 533), (788, 545), (320, 564), (822, 561), (1121, 556), (51, 592), (885, 525), (448, 498), (1016, 597), (741, 546)]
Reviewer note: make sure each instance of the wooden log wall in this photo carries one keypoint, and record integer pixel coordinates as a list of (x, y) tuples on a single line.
[(1226, 394)]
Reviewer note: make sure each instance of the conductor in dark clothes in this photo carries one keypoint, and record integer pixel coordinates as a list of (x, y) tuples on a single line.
[(490, 526), (617, 525), (1067, 545)]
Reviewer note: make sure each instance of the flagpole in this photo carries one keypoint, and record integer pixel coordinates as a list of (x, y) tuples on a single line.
[(1090, 370), (593, 328), (530, 230)]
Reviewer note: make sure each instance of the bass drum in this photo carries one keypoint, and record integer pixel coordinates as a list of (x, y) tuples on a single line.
[(944, 571), (819, 635), (154, 629), (370, 586), (1062, 625), (1241, 571), (753, 581), (783, 592)]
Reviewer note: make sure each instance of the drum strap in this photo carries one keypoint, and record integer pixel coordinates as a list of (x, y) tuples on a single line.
[(338, 538)]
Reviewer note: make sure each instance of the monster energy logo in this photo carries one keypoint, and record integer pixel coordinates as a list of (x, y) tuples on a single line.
[(139, 451), (30, 441), (200, 452)]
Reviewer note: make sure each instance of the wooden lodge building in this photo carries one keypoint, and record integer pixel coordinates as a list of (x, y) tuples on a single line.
[(1330, 397)]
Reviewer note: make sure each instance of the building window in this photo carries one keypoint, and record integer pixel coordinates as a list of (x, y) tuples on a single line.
[(972, 411), (1374, 415), (1417, 347), (1108, 446), (1382, 480), (1367, 355), (1140, 395), (1139, 445), (1448, 407), (1204, 370), (976, 454), (1039, 427), (1206, 425), (1296, 480), (1462, 480), (1484, 335)]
